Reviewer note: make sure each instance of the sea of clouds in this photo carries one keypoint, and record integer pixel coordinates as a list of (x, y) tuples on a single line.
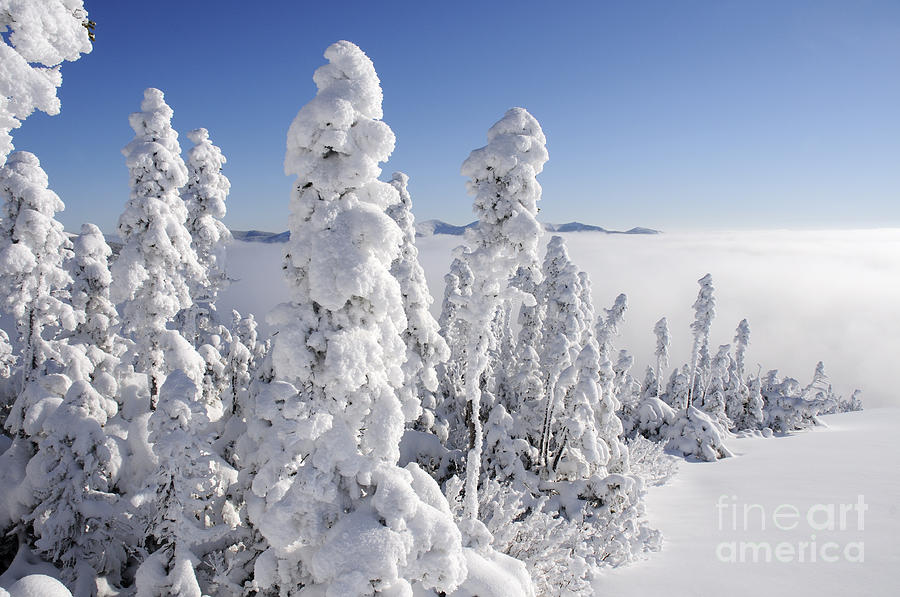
[(808, 295)]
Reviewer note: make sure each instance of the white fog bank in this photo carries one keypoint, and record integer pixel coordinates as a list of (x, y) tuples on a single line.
[(808, 296)]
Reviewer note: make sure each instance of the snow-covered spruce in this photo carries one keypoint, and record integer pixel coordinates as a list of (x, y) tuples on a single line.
[(33, 282), (743, 407), (150, 276), (37, 36), (526, 384), (713, 399), (505, 191), (652, 415), (661, 330), (786, 406), (695, 433), (580, 452), (75, 515), (607, 328), (704, 313), (678, 388), (327, 495), (187, 491), (425, 348), (454, 329), (7, 361), (560, 295), (204, 195), (95, 336), (608, 423), (627, 390)]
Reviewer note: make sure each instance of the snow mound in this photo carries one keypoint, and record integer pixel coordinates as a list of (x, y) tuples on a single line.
[(37, 585)]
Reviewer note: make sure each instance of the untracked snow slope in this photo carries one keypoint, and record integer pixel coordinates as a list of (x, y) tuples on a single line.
[(793, 485)]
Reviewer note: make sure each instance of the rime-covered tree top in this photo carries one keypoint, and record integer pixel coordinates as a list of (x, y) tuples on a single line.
[(503, 181), (334, 147), (561, 300), (741, 342), (661, 329), (153, 157), (90, 288), (37, 36), (337, 140), (425, 348), (157, 255), (608, 328), (33, 243), (704, 306), (204, 195)]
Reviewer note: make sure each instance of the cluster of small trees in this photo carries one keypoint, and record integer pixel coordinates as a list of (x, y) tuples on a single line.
[(714, 396), (368, 448), (124, 378)]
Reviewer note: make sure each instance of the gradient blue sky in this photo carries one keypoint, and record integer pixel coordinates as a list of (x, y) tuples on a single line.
[(676, 114)]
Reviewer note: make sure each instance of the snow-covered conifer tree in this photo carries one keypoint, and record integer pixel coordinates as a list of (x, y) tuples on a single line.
[(678, 388), (37, 37), (627, 390), (819, 386), (580, 451), (786, 406), (606, 330), (7, 360), (327, 494), (714, 400), (741, 408), (661, 329), (695, 433), (587, 315), (704, 312), (741, 342), (560, 294), (72, 477), (754, 414), (33, 247), (188, 487), (150, 276), (455, 330), (425, 348), (97, 316), (505, 190), (243, 356), (527, 382), (652, 415), (204, 195)]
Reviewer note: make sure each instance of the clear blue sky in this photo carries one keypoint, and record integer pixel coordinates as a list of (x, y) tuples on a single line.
[(674, 114)]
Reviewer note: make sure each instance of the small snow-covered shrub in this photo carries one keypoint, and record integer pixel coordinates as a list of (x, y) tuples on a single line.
[(694, 433), (650, 462), (568, 534)]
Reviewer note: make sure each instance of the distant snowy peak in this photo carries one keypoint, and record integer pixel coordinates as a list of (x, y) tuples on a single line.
[(432, 227), (258, 236)]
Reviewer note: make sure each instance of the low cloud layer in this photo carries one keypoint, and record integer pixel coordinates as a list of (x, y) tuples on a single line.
[(832, 296)]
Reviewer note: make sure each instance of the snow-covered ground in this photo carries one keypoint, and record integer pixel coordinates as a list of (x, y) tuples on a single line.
[(801, 483)]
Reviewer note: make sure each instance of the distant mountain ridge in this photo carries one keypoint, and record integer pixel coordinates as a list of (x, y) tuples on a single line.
[(432, 227), (258, 236)]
